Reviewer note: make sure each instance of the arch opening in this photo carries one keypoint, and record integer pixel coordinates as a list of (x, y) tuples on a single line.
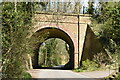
[(53, 53), (53, 33)]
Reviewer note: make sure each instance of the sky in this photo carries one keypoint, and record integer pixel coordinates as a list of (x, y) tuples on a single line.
[(84, 2)]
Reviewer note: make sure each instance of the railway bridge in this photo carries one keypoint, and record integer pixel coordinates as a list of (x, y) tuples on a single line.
[(74, 29)]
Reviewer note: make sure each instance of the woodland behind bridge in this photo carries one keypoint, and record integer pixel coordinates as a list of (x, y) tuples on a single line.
[(17, 21)]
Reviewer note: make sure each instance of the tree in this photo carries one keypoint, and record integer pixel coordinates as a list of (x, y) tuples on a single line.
[(108, 22), (48, 53), (53, 52), (77, 7), (16, 21), (90, 9)]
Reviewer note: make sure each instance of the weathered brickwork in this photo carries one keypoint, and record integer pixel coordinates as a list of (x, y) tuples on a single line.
[(74, 29)]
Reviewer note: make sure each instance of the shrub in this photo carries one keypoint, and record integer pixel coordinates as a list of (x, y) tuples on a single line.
[(101, 58), (26, 75), (87, 65)]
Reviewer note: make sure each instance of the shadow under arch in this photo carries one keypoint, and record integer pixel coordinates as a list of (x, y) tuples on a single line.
[(53, 33)]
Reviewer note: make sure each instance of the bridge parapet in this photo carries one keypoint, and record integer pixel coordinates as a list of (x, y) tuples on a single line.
[(63, 18)]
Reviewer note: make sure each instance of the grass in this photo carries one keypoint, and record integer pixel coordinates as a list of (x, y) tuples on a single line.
[(26, 75), (87, 66)]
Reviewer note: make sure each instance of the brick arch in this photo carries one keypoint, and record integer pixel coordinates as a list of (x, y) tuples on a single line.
[(54, 32), (73, 34)]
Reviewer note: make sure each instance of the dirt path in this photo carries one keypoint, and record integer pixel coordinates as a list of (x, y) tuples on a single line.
[(97, 74), (54, 73)]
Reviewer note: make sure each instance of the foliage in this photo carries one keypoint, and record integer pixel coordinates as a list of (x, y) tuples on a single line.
[(50, 49), (100, 59), (26, 75), (90, 9), (110, 19), (60, 7), (99, 62), (117, 77), (87, 65), (52, 53), (106, 24), (15, 44)]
